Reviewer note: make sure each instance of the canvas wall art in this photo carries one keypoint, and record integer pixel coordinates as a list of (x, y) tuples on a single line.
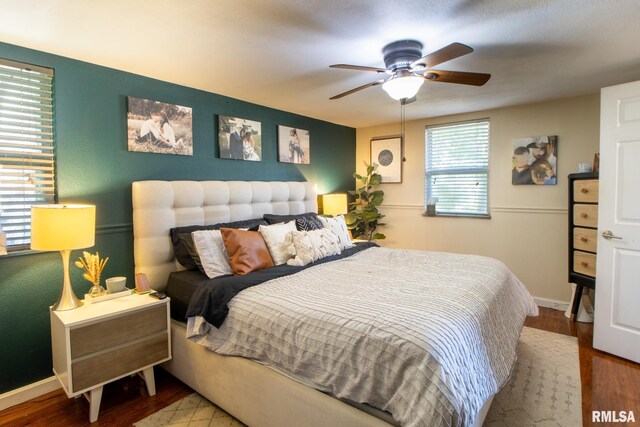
[(387, 154), (535, 160), (293, 145), (239, 139), (158, 127)]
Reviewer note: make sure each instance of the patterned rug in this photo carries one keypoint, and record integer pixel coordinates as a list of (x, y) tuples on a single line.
[(544, 390)]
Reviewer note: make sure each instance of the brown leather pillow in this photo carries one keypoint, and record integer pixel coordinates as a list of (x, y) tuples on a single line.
[(247, 250)]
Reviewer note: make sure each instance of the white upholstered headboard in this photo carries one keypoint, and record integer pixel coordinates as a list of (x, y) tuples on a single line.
[(159, 206)]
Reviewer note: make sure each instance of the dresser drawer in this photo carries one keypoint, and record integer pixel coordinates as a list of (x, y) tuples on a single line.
[(584, 263), (585, 239), (585, 215), (94, 369), (117, 331), (585, 190)]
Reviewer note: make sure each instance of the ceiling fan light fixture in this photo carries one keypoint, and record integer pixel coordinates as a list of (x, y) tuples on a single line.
[(401, 87)]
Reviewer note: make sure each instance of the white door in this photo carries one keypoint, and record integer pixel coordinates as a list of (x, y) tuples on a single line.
[(617, 304)]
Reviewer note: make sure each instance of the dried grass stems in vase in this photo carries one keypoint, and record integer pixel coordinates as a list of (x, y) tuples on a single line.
[(92, 266)]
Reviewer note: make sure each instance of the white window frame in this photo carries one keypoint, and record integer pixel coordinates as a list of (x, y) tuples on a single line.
[(27, 148), (432, 172)]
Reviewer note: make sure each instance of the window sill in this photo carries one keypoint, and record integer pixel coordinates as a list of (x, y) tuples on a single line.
[(457, 216), (21, 253)]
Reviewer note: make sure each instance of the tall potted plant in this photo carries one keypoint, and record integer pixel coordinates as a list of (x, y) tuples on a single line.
[(365, 218)]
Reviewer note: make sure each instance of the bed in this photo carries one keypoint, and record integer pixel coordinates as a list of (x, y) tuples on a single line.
[(261, 395)]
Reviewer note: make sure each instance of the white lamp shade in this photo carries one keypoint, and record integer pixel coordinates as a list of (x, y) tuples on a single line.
[(62, 227), (334, 204), (403, 87)]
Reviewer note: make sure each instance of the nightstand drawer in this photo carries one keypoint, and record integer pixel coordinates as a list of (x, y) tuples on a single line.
[(585, 239), (117, 331), (585, 215), (584, 263), (102, 367), (585, 190)]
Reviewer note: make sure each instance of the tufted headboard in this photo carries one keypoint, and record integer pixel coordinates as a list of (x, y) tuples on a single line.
[(159, 206)]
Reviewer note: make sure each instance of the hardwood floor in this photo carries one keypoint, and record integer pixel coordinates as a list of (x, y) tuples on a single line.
[(608, 383), (123, 402)]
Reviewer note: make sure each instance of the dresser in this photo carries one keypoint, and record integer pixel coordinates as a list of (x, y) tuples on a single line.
[(98, 343), (583, 229)]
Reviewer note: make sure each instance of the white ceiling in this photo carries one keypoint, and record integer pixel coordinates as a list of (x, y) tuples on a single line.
[(277, 52)]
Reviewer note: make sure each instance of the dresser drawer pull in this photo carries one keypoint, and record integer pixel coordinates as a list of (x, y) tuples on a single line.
[(584, 264), (583, 215), (584, 190), (584, 239)]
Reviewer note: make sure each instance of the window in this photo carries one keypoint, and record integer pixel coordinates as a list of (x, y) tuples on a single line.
[(457, 168), (26, 147)]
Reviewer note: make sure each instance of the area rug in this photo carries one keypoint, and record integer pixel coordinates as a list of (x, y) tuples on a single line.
[(544, 390)]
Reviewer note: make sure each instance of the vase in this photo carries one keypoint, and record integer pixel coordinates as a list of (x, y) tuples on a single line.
[(97, 290)]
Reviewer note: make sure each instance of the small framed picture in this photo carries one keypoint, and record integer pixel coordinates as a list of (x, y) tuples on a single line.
[(387, 154), (142, 283)]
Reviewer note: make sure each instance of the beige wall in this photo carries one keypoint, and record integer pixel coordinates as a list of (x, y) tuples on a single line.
[(528, 226)]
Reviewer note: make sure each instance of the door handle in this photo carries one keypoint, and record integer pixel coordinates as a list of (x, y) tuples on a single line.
[(607, 234)]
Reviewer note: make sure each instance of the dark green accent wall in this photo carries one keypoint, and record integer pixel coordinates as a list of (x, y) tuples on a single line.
[(94, 166)]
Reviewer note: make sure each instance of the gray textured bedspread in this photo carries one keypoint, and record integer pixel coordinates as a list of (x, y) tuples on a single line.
[(427, 336)]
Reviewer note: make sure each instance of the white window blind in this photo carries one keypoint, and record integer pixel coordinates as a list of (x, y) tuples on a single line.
[(457, 168), (26, 147)]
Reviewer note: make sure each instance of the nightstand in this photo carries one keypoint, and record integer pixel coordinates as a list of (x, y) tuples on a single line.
[(102, 342)]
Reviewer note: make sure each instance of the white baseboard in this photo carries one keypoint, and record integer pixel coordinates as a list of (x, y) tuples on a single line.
[(549, 303), (28, 392)]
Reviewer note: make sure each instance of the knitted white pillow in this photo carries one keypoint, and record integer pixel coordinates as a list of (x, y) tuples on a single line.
[(274, 237), (339, 227), (310, 246)]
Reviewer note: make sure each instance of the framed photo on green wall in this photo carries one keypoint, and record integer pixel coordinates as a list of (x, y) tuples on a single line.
[(158, 127), (293, 145), (239, 139)]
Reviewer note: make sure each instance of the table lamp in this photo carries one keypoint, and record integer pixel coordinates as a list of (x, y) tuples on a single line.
[(334, 204), (63, 228), (3, 242)]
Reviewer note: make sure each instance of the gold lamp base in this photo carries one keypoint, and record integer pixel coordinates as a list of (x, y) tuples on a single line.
[(68, 300)]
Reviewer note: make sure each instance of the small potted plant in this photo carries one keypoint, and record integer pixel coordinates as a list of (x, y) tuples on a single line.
[(92, 266)]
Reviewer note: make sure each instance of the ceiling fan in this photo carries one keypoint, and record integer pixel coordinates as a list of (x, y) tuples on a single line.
[(406, 69)]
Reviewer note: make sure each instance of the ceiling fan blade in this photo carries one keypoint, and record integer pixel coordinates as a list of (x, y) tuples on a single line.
[(349, 92), (361, 68), (447, 53), (460, 77)]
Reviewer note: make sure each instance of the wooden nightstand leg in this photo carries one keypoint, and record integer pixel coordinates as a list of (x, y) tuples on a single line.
[(94, 397), (150, 381)]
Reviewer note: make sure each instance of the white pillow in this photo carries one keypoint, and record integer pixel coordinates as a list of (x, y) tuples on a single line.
[(212, 253), (274, 236), (310, 246), (339, 227)]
